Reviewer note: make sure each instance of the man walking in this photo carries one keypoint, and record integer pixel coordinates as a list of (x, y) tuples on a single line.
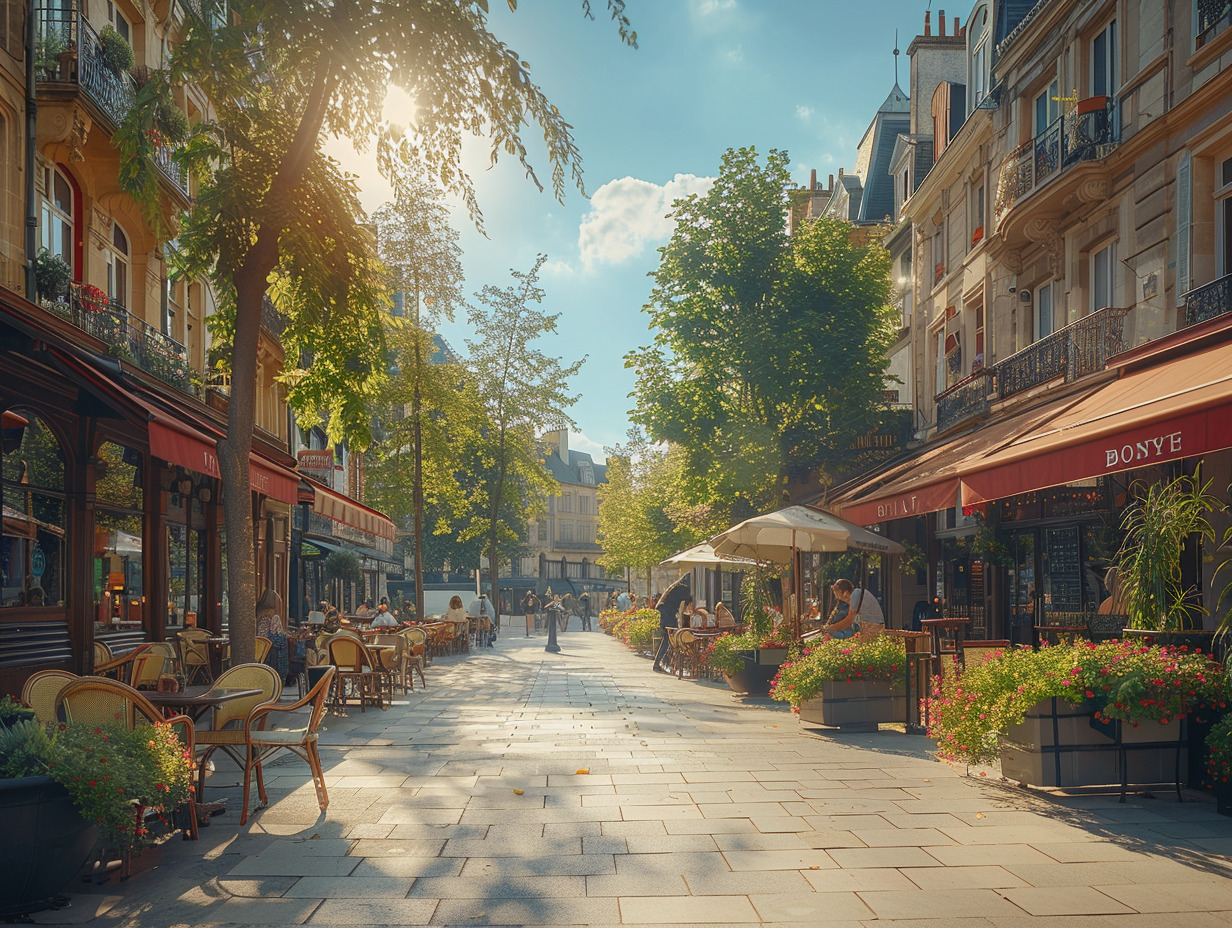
[(669, 608), (584, 609)]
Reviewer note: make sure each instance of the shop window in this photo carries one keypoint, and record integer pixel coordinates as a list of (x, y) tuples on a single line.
[(118, 584), (183, 549), (34, 527)]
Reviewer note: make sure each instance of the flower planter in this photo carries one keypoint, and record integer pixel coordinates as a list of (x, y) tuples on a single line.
[(856, 704), (769, 656), (761, 666), (46, 842), (1059, 745), (1223, 798)]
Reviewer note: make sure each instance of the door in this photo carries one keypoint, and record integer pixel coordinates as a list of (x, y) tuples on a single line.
[(1024, 596)]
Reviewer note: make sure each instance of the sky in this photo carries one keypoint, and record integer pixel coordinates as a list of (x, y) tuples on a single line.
[(652, 123)]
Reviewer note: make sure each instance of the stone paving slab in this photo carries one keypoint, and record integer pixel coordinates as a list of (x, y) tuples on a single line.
[(698, 808)]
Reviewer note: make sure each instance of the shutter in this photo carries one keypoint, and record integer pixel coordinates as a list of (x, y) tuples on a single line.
[(1184, 206)]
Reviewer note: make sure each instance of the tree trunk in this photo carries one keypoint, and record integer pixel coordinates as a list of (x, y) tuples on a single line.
[(498, 492)]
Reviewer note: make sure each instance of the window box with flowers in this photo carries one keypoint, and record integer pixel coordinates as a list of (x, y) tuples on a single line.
[(977, 236), (852, 683)]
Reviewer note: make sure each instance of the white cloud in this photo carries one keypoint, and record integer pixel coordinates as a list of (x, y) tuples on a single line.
[(555, 268), (628, 214), (712, 7), (804, 113), (579, 442), (734, 55)]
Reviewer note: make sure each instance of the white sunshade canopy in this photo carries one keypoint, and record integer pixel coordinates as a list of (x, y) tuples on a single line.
[(703, 556), (776, 535)]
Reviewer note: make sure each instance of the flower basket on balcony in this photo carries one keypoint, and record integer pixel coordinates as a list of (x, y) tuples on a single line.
[(93, 299), (117, 54), (978, 235), (52, 275)]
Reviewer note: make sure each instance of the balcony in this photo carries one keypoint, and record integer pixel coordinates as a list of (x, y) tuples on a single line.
[(126, 336), (1213, 17), (1087, 134), (69, 52), (173, 173), (1079, 349), (1208, 301), (965, 400)]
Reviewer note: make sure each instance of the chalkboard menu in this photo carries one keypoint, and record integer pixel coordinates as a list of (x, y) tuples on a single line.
[(1062, 570)]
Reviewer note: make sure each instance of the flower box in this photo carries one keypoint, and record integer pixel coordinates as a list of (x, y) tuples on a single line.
[(1059, 745), (753, 679), (856, 704), (46, 843), (767, 656)]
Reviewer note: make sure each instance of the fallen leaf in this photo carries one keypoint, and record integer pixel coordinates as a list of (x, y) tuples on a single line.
[(582, 770), (519, 792), (983, 774), (815, 867), (979, 815)]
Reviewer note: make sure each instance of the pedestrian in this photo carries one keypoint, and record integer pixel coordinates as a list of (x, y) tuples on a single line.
[(567, 609), (584, 609), (675, 599), (530, 609), (623, 602), (482, 607)]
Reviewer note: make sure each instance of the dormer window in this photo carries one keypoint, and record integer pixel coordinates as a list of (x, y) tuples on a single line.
[(587, 473)]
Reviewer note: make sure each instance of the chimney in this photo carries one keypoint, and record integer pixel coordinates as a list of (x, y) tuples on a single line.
[(813, 179), (831, 187), (956, 32), (941, 22), (840, 173), (562, 445), (928, 22)]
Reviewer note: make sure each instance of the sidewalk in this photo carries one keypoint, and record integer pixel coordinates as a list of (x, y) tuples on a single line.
[(525, 788)]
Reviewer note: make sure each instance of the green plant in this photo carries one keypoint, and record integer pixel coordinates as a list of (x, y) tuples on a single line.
[(25, 749), (988, 547), (47, 52), (172, 122), (116, 53), (757, 600), (343, 566), (724, 653), (1219, 742), (881, 657), (1157, 525), (52, 275), (13, 711)]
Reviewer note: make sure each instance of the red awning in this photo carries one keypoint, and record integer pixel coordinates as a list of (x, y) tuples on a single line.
[(339, 508), (1177, 409), (180, 443)]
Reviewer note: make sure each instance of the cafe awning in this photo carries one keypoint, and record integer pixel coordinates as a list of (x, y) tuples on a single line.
[(339, 508)]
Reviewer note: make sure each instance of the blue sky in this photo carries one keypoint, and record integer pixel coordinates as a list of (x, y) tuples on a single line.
[(652, 123)]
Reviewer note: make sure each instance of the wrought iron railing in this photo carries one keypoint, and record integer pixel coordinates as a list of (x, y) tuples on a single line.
[(1208, 301), (1073, 137), (964, 400), (128, 337), (170, 170), (1213, 17), (1079, 349), (69, 51)]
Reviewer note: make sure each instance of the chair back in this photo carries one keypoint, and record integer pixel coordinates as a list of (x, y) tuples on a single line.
[(148, 666), (263, 647), (723, 617), (194, 652), (976, 652), (99, 701), (102, 653), (316, 699), (41, 690), (245, 677), (415, 635), (398, 641), (348, 653)]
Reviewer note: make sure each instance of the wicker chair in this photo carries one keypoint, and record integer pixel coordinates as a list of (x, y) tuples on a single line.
[(263, 741), (102, 653), (397, 660), (416, 642), (120, 667), (42, 689), (156, 660), (228, 723), (356, 666), (99, 701), (195, 654), (263, 649)]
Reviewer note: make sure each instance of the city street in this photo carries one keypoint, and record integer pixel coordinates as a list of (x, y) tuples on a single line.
[(523, 788)]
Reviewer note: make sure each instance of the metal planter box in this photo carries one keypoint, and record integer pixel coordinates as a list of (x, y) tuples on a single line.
[(858, 704)]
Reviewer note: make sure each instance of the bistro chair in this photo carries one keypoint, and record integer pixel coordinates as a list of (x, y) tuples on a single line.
[(42, 689), (228, 723), (195, 654), (99, 701), (397, 660), (358, 669), (102, 653), (416, 641), (121, 666), (263, 648), (262, 741), (157, 659)]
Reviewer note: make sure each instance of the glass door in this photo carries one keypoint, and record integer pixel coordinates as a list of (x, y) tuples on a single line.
[(1024, 598)]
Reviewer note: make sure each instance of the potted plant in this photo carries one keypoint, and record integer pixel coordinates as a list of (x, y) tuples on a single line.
[(1157, 526), (52, 275), (1219, 763), (847, 682), (12, 711), (115, 51), (748, 659), (48, 52)]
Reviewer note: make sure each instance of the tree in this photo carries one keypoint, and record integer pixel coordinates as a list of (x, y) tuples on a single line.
[(417, 243), (525, 393), (769, 351), (274, 214), (642, 515)]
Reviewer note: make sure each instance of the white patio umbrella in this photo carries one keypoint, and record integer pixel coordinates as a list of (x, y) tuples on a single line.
[(776, 536), (703, 556)]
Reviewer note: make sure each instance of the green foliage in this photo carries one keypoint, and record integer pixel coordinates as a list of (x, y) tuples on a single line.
[(972, 710), (725, 652), (757, 599), (52, 275), (1157, 525), (769, 350), (636, 629), (117, 54), (880, 658), (12, 711), (343, 566), (47, 51), (1219, 743), (110, 772)]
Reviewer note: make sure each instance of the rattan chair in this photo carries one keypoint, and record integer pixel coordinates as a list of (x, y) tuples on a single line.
[(102, 653), (416, 642), (263, 648), (42, 689), (195, 654), (263, 741), (228, 723), (359, 668), (156, 660), (397, 660), (99, 701)]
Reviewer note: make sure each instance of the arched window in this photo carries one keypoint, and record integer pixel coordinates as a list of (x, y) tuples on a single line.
[(116, 255), (33, 530), (57, 215)]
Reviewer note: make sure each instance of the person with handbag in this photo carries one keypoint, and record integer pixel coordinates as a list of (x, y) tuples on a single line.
[(862, 606)]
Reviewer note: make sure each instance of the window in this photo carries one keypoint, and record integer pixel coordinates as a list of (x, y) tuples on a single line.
[(542, 531), (977, 215), (118, 522), (586, 533), (587, 473), (115, 256), (1184, 198), (117, 21), (566, 530), (584, 505), (978, 30), (566, 503), (939, 345), (1104, 275), (1223, 222), (1211, 17), (33, 532), (57, 214), (1047, 108), (1104, 62), (1044, 320)]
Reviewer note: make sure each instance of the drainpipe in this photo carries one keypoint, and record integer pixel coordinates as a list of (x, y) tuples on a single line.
[(31, 150)]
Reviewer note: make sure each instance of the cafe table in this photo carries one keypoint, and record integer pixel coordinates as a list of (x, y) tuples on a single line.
[(195, 705)]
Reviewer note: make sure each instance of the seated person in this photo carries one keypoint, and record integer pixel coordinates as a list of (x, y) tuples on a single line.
[(455, 613), (384, 618)]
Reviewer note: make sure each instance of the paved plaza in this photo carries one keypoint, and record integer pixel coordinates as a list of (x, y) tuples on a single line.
[(525, 788)]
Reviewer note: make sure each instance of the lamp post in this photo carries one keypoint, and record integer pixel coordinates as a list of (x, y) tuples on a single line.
[(552, 645)]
